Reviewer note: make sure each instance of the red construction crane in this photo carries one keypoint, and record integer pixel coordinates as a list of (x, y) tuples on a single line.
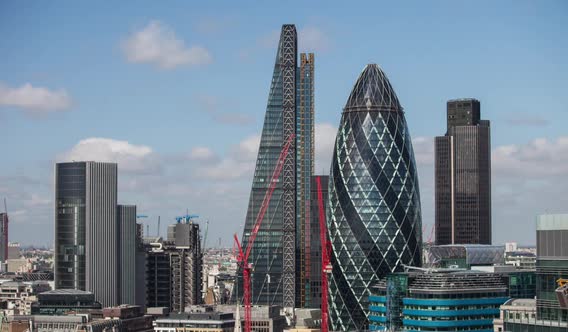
[(431, 237), (325, 258), (242, 258)]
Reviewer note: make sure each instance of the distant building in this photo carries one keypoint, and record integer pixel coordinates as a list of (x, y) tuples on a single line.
[(174, 268), (63, 301), (463, 176), (124, 318), (127, 238), (549, 312), (86, 232), (16, 297), (466, 256), (551, 265), (264, 318), (521, 259), (196, 321), (3, 237), (440, 300), (14, 250), (158, 278)]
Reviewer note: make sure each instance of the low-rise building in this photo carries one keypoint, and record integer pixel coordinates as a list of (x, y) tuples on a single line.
[(62, 301), (437, 300), (264, 318), (17, 296), (196, 321)]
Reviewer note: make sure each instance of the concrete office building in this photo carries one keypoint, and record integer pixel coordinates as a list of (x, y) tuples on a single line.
[(174, 268), (463, 176), (549, 311), (126, 217), (86, 232)]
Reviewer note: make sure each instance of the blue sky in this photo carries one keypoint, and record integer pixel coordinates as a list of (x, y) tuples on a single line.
[(184, 128)]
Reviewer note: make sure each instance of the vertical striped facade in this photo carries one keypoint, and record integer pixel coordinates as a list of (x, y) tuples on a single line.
[(87, 250), (126, 216), (101, 231), (463, 176)]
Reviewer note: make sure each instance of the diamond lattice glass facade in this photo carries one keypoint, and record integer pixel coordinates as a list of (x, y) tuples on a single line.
[(374, 216)]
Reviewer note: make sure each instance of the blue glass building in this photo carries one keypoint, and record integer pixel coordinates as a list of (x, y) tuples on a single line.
[(441, 300), (374, 217)]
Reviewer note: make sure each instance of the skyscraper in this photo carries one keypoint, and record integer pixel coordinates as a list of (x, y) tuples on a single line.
[(463, 176), (305, 158), (3, 236), (374, 203), (289, 112), (86, 229), (127, 239), (174, 268)]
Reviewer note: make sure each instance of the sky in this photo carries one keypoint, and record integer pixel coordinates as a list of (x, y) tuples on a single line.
[(176, 94)]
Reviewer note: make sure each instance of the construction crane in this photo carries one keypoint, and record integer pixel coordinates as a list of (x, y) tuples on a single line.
[(5, 229), (242, 257), (431, 236), (187, 218), (325, 258), (205, 236), (562, 292)]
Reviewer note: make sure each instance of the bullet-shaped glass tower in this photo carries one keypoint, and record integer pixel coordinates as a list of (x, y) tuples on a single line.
[(374, 217)]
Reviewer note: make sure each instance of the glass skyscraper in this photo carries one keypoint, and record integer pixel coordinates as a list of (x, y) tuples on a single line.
[(374, 218), (86, 230), (277, 252)]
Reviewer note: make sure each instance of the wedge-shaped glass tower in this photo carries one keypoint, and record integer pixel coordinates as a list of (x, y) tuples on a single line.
[(279, 252), (374, 217)]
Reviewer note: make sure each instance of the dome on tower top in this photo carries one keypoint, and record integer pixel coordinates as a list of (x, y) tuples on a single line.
[(372, 91)]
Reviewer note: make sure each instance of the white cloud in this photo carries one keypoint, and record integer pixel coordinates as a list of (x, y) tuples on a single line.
[(238, 164), (159, 45), (36, 99), (202, 154), (423, 150), (538, 158), (130, 158), (313, 39), (247, 149)]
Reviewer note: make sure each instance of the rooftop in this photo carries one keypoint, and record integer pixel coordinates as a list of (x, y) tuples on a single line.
[(372, 91), (528, 303), (66, 292)]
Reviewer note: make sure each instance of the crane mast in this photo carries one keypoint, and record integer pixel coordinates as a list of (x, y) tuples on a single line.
[(242, 257), (325, 262)]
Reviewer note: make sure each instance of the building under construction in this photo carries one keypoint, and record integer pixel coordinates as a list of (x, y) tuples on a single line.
[(174, 268)]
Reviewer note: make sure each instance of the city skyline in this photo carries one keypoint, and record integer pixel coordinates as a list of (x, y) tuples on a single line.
[(165, 154)]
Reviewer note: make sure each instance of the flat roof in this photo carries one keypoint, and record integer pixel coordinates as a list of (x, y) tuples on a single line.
[(552, 222)]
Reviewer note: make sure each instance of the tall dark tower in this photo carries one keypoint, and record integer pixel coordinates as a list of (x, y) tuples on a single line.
[(463, 176), (374, 202), (277, 251)]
